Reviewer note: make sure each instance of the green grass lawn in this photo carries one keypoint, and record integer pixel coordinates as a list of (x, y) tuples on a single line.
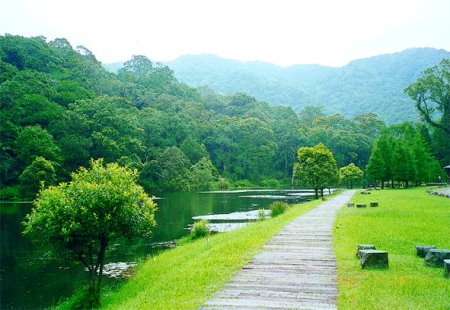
[(184, 277), (404, 218)]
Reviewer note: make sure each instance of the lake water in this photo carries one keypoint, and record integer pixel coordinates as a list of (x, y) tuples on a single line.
[(29, 280)]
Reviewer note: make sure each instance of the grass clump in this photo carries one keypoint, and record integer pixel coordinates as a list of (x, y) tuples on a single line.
[(200, 229), (278, 207), (186, 276), (262, 214), (404, 218)]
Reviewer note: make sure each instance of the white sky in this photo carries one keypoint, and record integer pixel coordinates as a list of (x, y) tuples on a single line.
[(282, 32)]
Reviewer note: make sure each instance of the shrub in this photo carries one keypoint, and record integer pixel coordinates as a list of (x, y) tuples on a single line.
[(10, 193), (271, 183), (200, 229), (222, 183), (262, 214), (243, 183), (278, 207)]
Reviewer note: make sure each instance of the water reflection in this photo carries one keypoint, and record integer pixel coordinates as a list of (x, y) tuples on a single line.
[(29, 280)]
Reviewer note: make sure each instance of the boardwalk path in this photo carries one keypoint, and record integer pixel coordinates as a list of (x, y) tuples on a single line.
[(296, 269)]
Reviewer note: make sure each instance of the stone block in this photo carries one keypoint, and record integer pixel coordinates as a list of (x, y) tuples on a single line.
[(422, 250), (447, 268), (436, 257), (364, 247), (374, 204), (360, 205), (350, 205), (374, 259)]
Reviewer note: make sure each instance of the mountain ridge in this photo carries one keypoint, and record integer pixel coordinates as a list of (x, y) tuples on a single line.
[(373, 84)]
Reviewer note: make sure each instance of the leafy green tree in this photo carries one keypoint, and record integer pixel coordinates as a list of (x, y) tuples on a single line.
[(350, 174), (316, 167), (40, 172), (380, 163), (79, 219), (169, 169), (193, 149), (403, 164), (202, 175), (287, 136), (431, 92), (34, 141)]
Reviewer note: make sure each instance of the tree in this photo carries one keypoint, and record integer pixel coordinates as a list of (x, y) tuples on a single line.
[(316, 167), (379, 167), (350, 174), (201, 175), (34, 141), (79, 219), (431, 92), (403, 165), (171, 167), (40, 171)]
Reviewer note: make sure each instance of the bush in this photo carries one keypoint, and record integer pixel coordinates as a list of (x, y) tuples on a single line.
[(222, 183), (271, 183), (10, 193), (200, 229), (243, 183), (278, 207)]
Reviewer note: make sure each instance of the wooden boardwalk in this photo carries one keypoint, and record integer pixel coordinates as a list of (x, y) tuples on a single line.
[(296, 269)]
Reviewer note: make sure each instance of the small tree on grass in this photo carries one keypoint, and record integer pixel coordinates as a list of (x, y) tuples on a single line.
[(350, 174), (316, 167), (77, 220)]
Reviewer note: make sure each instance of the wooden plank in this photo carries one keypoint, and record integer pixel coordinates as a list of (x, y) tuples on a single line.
[(296, 269)]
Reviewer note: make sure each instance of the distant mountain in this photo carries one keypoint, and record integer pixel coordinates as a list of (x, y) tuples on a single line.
[(372, 84)]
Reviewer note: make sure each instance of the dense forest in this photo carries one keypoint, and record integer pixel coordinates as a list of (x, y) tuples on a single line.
[(372, 84), (60, 108)]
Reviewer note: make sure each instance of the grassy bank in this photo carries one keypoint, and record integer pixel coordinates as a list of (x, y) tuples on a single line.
[(404, 218), (184, 277)]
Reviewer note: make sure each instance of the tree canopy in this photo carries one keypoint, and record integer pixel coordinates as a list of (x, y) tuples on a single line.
[(316, 167), (431, 92), (60, 104), (77, 220)]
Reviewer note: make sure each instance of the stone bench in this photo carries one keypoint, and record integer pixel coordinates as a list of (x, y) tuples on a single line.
[(422, 250), (374, 259), (350, 204), (360, 205), (436, 257), (447, 268), (364, 247)]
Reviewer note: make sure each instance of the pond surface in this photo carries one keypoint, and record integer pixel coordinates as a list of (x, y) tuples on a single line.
[(29, 280)]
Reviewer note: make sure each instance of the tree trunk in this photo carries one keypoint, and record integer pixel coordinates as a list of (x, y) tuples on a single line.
[(101, 262), (316, 190)]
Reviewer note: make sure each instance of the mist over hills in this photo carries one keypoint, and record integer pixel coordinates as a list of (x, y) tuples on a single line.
[(372, 84)]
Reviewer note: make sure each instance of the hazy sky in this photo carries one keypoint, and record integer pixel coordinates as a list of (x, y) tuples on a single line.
[(283, 32)]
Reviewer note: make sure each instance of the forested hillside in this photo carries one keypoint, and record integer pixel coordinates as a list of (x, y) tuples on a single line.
[(60, 107), (366, 85)]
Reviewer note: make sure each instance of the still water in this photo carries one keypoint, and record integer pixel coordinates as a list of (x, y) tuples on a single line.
[(29, 280)]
